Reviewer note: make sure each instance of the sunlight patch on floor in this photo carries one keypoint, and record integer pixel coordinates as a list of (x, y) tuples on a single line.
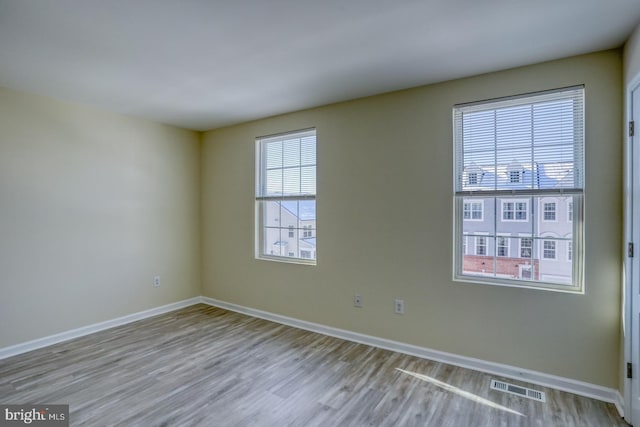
[(459, 392)]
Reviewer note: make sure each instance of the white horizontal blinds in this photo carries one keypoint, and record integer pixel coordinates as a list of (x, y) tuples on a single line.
[(522, 145), (288, 166)]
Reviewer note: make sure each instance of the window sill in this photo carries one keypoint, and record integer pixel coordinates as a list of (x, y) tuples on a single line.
[(286, 260)]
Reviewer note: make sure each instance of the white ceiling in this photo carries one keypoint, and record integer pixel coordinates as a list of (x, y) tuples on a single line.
[(204, 64)]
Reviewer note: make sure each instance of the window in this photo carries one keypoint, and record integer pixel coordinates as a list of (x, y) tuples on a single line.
[(307, 231), (529, 150), (472, 211), (569, 250), (549, 211), (525, 272), (526, 247), (549, 249), (472, 178), (286, 196), (515, 210), (502, 246), (481, 245), (570, 211)]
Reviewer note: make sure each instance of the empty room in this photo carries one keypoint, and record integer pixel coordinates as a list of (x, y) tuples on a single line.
[(330, 213)]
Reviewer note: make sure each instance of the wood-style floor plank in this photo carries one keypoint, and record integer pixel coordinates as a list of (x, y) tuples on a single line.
[(204, 366)]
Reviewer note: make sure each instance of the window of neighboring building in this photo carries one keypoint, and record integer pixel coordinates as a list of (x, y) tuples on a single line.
[(530, 151), (472, 178), (570, 211), (549, 211), (473, 211), (502, 246), (307, 231), (549, 249), (526, 247), (526, 272), (515, 210), (285, 195), (481, 245)]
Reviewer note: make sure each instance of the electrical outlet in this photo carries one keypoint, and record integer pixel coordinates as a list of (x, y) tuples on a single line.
[(357, 301), (399, 306), (156, 281)]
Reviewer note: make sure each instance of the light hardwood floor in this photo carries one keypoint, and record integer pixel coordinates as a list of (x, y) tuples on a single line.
[(204, 366)]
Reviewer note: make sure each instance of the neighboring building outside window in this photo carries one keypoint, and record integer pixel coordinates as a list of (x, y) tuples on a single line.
[(529, 150), (286, 197)]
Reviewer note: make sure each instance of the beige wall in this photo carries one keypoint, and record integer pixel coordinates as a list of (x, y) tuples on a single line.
[(92, 206), (385, 227)]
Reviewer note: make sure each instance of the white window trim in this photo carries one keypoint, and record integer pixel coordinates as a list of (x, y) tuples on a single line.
[(575, 193), (259, 206)]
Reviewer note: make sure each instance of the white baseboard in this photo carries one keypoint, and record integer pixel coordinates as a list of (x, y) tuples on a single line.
[(89, 329), (540, 378), (619, 403)]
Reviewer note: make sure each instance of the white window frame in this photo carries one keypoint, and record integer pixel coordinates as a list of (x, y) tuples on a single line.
[(471, 209), (503, 202), (544, 211), (263, 196), (570, 102)]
